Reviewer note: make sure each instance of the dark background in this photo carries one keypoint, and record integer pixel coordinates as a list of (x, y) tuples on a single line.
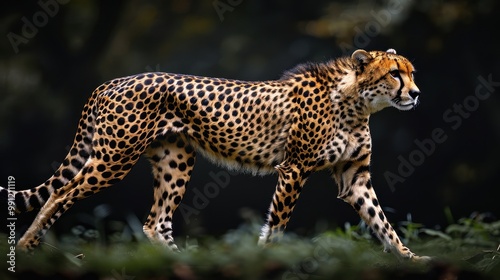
[(49, 71)]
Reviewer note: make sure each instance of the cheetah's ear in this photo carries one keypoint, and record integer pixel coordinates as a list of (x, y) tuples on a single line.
[(361, 57)]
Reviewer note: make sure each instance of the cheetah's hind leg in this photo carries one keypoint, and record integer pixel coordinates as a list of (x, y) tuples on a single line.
[(172, 159), (88, 181)]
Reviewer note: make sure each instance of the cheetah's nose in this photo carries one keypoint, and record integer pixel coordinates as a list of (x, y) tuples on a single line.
[(414, 94)]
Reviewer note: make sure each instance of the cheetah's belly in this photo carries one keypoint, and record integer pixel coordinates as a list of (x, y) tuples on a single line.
[(254, 146)]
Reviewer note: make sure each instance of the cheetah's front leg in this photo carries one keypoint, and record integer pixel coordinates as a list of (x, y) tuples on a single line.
[(353, 179)]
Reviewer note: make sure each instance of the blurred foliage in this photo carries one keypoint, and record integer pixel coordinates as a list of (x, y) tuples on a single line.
[(344, 254), (45, 84)]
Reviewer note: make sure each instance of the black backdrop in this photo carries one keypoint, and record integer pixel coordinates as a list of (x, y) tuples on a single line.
[(443, 155)]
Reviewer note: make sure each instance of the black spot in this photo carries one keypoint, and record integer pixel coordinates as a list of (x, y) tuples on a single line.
[(371, 212), (180, 182), (280, 206), (116, 157), (177, 200), (274, 219), (164, 195), (172, 164), (101, 167), (167, 177), (288, 200), (44, 193), (20, 203), (68, 174), (116, 167), (33, 201), (363, 157), (182, 167), (121, 145), (88, 193), (120, 133), (56, 183), (129, 94), (133, 140), (381, 215), (347, 166), (109, 130), (360, 201), (369, 184), (92, 180)]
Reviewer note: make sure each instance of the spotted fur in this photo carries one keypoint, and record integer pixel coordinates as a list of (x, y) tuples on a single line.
[(315, 117)]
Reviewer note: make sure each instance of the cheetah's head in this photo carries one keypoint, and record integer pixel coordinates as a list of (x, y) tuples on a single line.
[(386, 79)]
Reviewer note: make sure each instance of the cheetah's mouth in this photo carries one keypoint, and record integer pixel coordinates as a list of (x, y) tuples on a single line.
[(406, 104)]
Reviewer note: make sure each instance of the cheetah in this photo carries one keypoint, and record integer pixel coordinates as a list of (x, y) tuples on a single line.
[(314, 117)]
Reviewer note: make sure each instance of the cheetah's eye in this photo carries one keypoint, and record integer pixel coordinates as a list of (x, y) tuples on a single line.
[(394, 73)]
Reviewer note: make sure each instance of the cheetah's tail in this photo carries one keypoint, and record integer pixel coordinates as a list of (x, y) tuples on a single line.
[(25, 200), (35, 198)]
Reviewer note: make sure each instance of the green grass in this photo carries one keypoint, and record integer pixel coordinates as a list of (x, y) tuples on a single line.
[(468, 249)]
